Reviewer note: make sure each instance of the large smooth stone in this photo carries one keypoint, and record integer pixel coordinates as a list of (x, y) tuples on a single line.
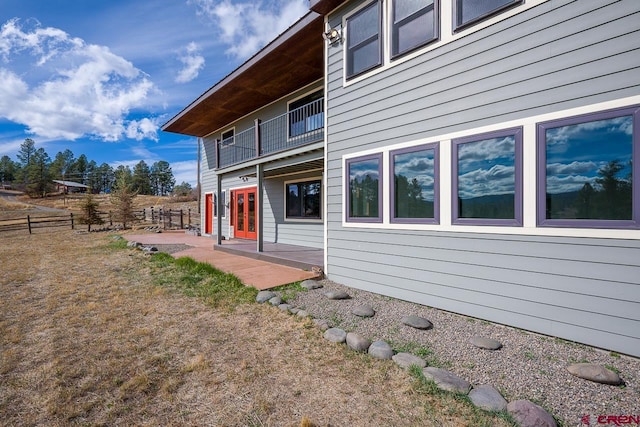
[(264, 296), (310, 284), (337, 295), (406, 360), (486, 343), (528, 414), (380, 350), (487, 398), (357, 342), (446, 380), (595, 373), (363, 311), (417, 322), (336, 335)]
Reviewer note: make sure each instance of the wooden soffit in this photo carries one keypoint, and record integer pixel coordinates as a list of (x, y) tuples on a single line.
[(323, 7), (293, 60)]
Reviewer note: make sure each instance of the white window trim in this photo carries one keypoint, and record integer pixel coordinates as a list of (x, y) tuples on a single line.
[(383, 40), (284, 202), (447, 35), (233, 128), (529, 180)]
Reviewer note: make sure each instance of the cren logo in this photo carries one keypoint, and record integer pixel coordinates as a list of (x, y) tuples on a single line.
[(618, 420)]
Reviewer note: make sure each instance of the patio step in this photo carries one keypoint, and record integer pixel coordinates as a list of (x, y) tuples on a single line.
[(269, 257)]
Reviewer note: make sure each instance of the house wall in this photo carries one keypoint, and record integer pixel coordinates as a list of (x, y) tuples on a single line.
[(307, 233), (276, 228), (543, 60)]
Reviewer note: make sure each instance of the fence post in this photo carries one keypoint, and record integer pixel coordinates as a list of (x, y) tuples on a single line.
[(72, 222), (29, 223), (153, 220), (181, 220), (144, 214), (110, 219), (189, 217), (170, 217)]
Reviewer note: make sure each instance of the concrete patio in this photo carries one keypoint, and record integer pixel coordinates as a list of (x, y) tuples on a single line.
[(278, 265)]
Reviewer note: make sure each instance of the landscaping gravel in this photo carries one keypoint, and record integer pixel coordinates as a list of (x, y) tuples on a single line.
[(528, 366)]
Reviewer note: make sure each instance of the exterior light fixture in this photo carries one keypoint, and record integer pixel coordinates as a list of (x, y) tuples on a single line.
[(334, 35)]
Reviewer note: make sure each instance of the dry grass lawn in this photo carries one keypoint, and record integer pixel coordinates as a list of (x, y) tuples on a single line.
[(88, 337)]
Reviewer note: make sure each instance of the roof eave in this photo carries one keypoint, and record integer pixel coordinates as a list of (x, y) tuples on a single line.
[(293, 59)]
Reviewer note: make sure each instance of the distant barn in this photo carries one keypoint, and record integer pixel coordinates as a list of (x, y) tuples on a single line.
[(70, 187)]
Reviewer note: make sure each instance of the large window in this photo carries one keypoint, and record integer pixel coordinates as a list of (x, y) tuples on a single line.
[(467, 12), (413, 24), (306, 114), (364, 41), (364, 189), (303, 199), (487, 179), (414, 193), (588, 170)]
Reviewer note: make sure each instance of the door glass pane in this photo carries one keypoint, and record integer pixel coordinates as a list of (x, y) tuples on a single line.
[(252, 213), (240, 212)]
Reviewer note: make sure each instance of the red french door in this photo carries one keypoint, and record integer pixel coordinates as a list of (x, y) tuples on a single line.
[(244, 215)]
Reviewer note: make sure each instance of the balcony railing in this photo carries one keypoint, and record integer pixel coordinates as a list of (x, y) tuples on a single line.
[(298, 127)]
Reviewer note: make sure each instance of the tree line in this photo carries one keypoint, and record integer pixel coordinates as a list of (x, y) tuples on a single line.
[(34, 172)]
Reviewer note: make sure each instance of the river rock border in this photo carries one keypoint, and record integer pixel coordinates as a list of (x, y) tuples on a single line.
[(483, 396)]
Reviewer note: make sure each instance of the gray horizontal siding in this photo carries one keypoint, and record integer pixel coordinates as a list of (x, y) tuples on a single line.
[(484, 78), (558, 55), (279, 230), (518, 313)]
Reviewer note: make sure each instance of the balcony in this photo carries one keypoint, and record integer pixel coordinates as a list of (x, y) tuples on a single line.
[(301, 126)]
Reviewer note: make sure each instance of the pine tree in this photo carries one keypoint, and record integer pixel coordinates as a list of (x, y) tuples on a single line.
[(90, 214), (122, 198), (37, 173)]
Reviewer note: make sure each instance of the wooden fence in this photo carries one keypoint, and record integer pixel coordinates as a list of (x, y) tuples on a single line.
[(164, 218)]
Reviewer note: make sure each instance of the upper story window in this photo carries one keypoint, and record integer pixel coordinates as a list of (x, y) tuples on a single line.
[(588, 170), (364, 39), (414, 193), (467, 12), (228, 137), (487, 179), (414, 24), (364, 188), (306, 114), (303, 199)]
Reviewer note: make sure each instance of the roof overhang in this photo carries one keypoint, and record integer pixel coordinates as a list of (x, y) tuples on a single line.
[(293, 60), (323, 7)]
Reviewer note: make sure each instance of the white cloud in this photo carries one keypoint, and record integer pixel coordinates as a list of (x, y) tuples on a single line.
[(499, 179), (88, 90), (192, 62), (143, 129), (573, 168), (247, 26), (185, 171)]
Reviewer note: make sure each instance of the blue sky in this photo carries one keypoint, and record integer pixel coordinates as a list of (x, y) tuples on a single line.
[(101, 77)]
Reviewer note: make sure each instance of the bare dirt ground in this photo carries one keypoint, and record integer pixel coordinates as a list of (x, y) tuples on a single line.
[(86, 337)]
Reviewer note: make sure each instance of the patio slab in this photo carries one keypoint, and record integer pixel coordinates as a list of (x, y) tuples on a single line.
[(252, 272)]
